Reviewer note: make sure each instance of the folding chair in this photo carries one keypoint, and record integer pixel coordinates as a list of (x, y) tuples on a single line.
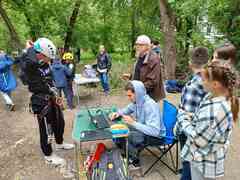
[(166, 143)]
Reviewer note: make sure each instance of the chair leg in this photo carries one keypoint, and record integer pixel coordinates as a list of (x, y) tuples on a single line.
[(159, 158), (177, 158)]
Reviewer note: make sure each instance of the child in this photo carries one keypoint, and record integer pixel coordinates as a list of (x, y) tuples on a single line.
[(60, 74), (226, 56), (208, 130), (226, 53), (7, 80), (192, 94), (68, 61)]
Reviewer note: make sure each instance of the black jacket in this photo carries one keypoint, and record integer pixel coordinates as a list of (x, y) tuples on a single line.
[(104, 61), (39, 75)]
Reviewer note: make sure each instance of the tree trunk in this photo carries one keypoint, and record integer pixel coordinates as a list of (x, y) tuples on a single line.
[(13, 34), (133, 27), (168, 27), (68, 38)]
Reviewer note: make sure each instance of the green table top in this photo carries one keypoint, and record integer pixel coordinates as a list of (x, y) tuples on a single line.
[(82, 120)]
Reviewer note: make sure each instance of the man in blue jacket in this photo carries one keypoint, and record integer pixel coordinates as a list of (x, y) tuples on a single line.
[(144, 118)]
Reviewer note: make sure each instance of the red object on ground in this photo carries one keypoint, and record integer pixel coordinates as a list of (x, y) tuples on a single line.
[(96, 156)]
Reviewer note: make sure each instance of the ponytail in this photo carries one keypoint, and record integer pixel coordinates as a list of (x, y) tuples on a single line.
[(234, 107)]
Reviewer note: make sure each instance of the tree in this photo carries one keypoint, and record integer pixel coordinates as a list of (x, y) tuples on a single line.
[(72, 22), (14, 36), (168, 27)]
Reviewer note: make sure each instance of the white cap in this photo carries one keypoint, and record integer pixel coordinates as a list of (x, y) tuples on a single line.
[(143, 39), (46, 47)]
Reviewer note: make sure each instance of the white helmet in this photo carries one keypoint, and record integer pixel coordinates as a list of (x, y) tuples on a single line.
[(143, 39), (46, 47)]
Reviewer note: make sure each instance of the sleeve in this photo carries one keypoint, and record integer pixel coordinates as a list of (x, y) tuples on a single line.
[(152, 77), (67, 71), (191, 97), (152, 123), (182, 115), (205, 131), (6, 62), (109, 62), (127, 110)]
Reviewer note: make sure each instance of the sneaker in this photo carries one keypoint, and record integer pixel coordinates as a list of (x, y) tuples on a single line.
[(134, 165), (11, 107), (54, 160), (65, 146)]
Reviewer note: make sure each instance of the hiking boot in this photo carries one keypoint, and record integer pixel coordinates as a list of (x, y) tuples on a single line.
[(54, 160), (64, 146)]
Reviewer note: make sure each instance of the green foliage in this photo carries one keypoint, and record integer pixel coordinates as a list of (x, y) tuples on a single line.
[(116, 23), (121, 63), (225, 15)]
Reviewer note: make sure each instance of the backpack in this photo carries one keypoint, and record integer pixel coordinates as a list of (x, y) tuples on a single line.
[(110, 167)]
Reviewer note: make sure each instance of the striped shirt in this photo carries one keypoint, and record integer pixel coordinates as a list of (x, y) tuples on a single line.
[(208, 133)]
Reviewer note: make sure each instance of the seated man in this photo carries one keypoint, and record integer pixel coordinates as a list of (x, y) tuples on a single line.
[(143, 117)]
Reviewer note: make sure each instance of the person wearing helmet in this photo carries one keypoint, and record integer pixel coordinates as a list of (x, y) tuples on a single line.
[(103, 67), (44, 101), (148, 68), (68, 61)]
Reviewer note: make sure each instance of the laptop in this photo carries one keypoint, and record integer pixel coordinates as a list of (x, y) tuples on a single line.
[(100, 120)]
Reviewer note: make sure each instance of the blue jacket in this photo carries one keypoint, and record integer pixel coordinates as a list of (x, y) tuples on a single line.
[(60, 73), (146, 112), (7, 79)]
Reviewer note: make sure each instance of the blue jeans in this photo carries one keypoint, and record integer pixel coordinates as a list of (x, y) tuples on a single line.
[(104, 81), (186, 168)]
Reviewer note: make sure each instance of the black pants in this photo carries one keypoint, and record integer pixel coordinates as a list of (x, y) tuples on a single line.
[(186, 169), (54, 117)]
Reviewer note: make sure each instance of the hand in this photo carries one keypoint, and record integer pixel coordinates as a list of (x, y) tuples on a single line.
[(59, 101), (126, 76), (113, 116), (128, 119)]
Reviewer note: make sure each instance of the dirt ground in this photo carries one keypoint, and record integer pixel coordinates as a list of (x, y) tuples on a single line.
[(21, 158)]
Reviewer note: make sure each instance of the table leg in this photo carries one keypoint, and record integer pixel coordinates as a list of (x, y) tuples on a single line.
[(127, 158), (78, 94), (76, 161)]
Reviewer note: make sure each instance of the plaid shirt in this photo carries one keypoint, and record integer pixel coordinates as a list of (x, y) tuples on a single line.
[(208, 133), (192, 94)]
